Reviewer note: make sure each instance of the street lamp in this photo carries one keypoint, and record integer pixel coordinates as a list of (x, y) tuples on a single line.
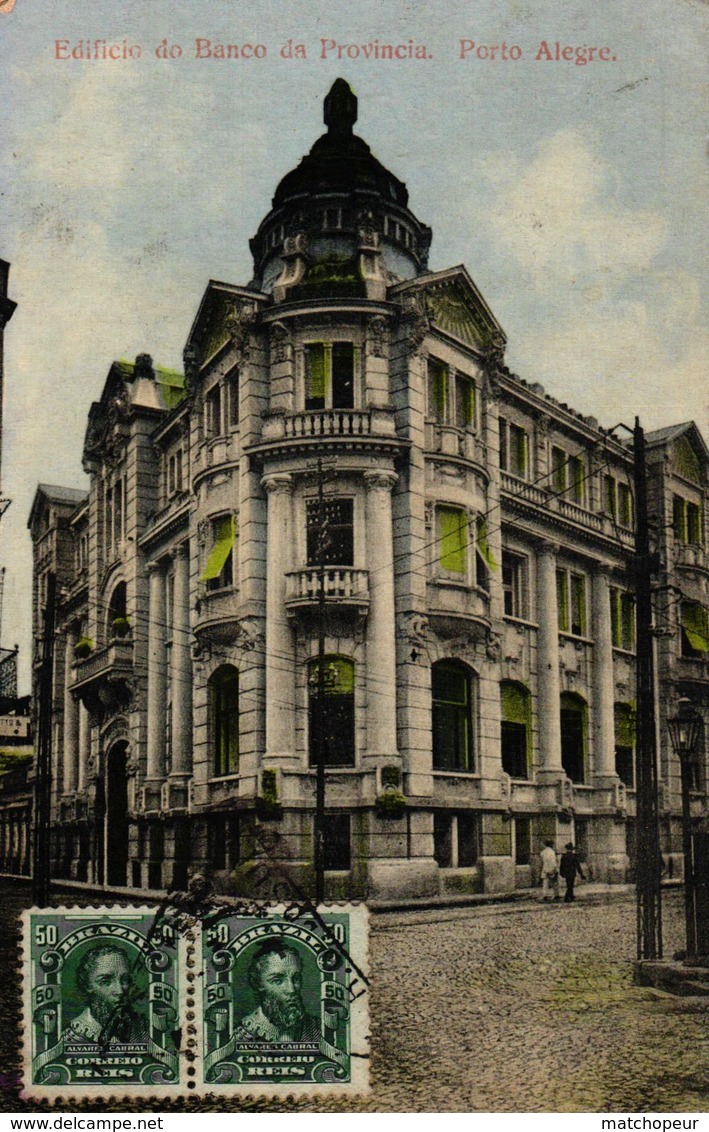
[(685, 730)]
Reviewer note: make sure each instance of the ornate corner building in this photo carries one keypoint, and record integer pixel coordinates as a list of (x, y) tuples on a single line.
[(346, 424)]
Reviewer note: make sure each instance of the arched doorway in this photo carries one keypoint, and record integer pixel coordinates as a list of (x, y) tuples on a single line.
[(117, 815)]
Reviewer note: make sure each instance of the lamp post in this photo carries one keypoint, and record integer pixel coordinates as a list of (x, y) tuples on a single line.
[(684, 729)]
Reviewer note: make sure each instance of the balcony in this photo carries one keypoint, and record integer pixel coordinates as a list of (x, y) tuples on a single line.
[(690, 556), (319, 424), (345, 588), (104, 680)]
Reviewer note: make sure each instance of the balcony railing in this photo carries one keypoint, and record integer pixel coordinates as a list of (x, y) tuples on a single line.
[(579, 514), (329, 422), (690, 555), (105, 676), (343, 586), (523, 490)]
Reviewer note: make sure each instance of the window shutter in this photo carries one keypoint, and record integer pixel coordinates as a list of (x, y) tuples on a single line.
[(482, 543), (453, 525), (315, 371)]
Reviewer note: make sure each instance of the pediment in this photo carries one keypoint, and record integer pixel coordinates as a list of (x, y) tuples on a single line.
[(454, 305), (225, 316)]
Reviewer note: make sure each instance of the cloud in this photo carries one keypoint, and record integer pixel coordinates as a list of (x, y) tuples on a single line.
[(560, 220)]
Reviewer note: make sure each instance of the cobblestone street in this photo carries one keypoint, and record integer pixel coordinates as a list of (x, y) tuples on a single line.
[(512, 1008)]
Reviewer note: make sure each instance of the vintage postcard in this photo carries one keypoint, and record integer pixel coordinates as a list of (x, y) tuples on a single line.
[(354, 562)]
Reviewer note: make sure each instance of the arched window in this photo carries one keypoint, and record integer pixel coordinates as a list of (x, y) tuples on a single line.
[(573, 736), (452, 701), (516, 729), (336, 722), (625, 743), (223, 691), (117, 617)]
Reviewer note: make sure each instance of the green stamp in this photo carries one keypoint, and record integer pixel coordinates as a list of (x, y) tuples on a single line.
[(284, 1002), (101, 994)]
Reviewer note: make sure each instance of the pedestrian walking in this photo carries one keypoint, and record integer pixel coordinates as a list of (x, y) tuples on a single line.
[(550, 872), (569, 869)]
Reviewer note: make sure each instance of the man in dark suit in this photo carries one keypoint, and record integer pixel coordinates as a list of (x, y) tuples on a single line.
[(569, 869)]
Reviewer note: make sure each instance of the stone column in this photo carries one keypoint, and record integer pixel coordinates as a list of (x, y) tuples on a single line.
[(548, 684), (603, 683), (280, 675), (381, 623), (181, 666), (155, 770), (84, 747), (71, 720)]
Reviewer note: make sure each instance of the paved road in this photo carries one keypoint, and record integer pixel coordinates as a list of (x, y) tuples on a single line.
[(510, 1008)]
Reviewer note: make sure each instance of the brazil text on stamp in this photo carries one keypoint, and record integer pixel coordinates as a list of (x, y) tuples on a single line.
[(284, 1004), (101, 1003)]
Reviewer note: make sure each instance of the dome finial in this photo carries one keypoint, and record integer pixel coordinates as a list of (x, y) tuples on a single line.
[(340, 108)]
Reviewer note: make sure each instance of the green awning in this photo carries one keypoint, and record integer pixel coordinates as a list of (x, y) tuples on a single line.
[(226, 533)]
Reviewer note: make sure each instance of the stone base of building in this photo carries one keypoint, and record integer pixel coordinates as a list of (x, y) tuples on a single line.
[(395, 878)]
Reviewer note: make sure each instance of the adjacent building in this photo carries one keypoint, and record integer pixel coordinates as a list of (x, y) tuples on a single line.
[(346, 421)]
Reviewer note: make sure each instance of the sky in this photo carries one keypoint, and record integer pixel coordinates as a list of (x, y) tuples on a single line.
[(575, 194)]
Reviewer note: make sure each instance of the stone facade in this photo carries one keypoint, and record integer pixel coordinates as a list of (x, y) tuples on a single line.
[(347, 420)]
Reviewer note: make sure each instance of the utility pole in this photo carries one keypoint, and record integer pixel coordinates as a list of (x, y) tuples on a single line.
[(320, 705), (649, 904), (43, 772)]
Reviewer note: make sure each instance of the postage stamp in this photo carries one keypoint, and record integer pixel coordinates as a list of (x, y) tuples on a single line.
[(102, 993), (284, 1004)]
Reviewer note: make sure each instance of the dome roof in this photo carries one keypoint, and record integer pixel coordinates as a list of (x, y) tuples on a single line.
[(340, 161)]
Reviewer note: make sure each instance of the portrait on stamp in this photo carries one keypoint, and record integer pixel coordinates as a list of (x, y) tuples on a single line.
[(102, 999), (279, 1001)]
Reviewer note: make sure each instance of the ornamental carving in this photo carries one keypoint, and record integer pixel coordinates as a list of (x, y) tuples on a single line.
[(493, 646), (192, 362), (414, 629), (248, 635), (239, 322), (280, 342), (417, 320), (376, 331), (367, 231)]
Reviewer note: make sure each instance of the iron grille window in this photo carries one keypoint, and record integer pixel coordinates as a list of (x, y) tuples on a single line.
[(337, 842), (452, 716), (523, 841), (224, 695), (337, 718), (330, 532)]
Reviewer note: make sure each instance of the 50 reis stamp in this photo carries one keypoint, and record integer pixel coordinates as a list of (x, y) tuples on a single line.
[(284, 1003), (102, 992), (261, 1000)]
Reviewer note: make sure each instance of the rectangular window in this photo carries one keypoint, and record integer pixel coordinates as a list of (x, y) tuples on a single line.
[(213, 411), (174, 473), (329, 376), (625, 505), (571, 602), (223, 841), (464, 401), (467, 836), (108, 522), (437, 391), (232, 394), (514, 449), (514, 584), (578, 605), (456, 839), (337, 842), (577, 479), (453, 524), (219, 570), (694, 524), (523, 841), (611, 500), (330, 532), (558, 469), (225, 705), (514, 749), (694, 629), (342, 375), (622, 619)]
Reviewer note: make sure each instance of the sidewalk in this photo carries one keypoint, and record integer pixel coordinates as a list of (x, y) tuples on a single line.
[(586, 893)]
